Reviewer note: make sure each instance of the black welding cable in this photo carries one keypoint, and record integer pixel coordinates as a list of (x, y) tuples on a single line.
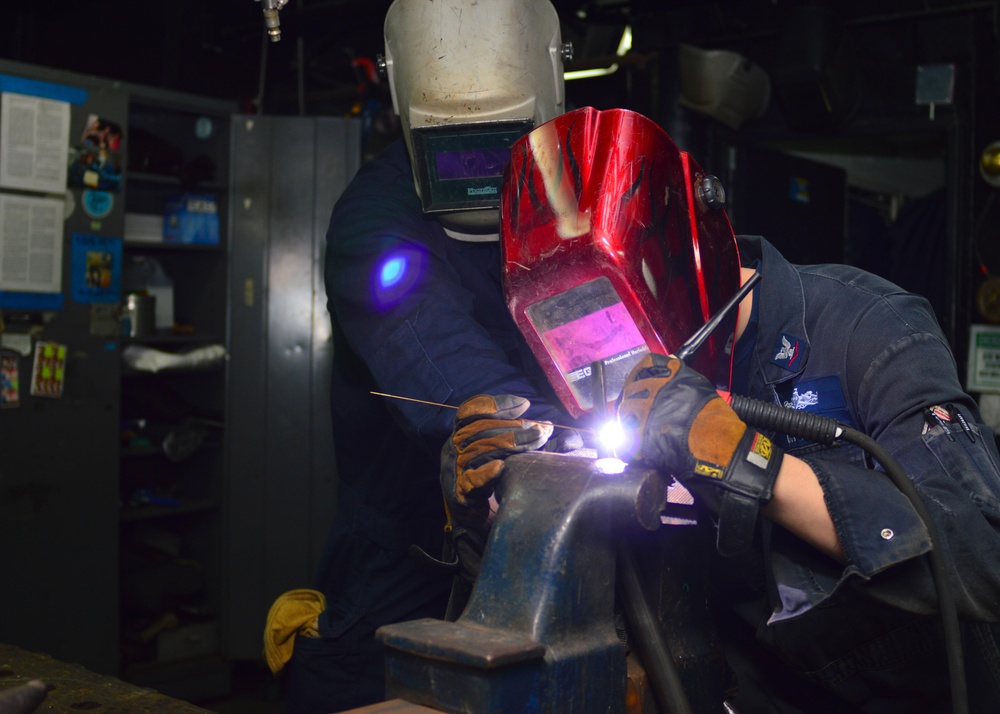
[(824, 430), (643, 625), (649, 641)]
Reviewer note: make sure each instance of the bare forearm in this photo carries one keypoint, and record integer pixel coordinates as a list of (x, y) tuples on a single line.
[(798, 505)]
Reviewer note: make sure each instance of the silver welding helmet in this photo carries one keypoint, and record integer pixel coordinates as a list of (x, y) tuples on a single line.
[(468, 78)]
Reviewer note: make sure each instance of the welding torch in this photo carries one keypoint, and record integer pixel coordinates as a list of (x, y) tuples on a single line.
[(610, 433)]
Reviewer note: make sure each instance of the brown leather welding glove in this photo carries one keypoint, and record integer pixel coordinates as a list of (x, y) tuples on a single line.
[(486, 431), (686, 429)]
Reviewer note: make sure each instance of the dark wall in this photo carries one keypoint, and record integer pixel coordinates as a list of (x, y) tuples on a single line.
[(845, 82)]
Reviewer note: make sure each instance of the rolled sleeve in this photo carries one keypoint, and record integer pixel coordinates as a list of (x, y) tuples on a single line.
[(877, 525), (878, 529)]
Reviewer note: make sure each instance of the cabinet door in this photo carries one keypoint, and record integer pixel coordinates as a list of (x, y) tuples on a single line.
[(287, 173), (58, 456)]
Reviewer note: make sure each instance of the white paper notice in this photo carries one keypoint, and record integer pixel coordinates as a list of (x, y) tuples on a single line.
[(31, 246), (34, 143)]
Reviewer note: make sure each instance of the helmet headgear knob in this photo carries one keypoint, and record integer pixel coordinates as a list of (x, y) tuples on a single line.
[(711, 192)]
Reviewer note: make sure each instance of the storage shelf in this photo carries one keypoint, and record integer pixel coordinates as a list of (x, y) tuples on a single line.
[(136, 452), (166, 337), (186, 401), (168, 180), (138, 245), (143, 513)]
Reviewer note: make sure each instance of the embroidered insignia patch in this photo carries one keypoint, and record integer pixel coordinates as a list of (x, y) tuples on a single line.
[(807, 398), (821, 395), (789, 352)]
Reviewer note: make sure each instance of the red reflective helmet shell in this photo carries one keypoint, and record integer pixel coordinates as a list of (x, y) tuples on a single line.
[(608, 251)]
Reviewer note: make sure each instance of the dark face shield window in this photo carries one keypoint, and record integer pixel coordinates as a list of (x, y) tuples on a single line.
[(471, 163), (460, 167), (585, 324)]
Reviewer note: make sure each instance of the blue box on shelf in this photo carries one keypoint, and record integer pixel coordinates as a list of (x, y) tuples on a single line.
[(191, 218)]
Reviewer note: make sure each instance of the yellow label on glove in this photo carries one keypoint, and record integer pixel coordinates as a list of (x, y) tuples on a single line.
[(707, 470), (760, 451)]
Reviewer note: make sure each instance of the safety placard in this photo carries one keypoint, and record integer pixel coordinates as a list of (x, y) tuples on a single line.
[(984, 358)]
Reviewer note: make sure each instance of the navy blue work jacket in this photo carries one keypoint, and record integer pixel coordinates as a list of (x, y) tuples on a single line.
[(841, 342)]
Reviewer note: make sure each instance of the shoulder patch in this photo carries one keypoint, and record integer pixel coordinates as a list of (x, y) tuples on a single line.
[(789, 352)]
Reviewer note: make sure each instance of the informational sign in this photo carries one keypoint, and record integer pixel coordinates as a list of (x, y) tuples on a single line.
[(31, 245), (984, 358), (34, 141), (19, 342)]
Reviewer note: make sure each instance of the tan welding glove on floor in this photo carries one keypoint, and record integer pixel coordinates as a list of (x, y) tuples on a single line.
[(295, 612)]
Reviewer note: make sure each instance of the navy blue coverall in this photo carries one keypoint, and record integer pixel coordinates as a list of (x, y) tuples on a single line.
[(415, 314)]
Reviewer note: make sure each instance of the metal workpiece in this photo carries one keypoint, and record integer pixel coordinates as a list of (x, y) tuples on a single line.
[(538, 633)]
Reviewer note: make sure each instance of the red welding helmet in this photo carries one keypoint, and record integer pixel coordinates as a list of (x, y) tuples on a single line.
[(614, 244)]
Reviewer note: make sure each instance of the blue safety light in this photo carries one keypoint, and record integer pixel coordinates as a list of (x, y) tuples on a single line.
[(392, 272), (395, 276)]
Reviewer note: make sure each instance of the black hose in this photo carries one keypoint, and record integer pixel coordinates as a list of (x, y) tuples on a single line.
[(824, 430), (649, 641), (645, 628), (794, 422)]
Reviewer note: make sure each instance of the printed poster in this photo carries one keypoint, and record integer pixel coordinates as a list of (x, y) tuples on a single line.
[(31, 245), (96, 161), (34, 140)]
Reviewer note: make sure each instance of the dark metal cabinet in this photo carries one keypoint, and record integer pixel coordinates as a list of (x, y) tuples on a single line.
[(59, 456), (287, 173), (123, 554)]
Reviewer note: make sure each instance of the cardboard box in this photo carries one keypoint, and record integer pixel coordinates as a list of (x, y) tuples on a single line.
[(191, 218)]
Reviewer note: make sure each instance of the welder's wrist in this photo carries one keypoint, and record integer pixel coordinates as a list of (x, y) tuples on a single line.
[(754, 467), (746, 485)]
